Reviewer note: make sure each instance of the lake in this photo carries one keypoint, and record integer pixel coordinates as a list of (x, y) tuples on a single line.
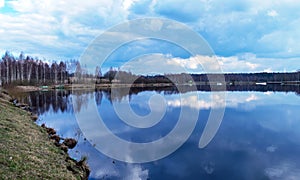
[(258, 137)]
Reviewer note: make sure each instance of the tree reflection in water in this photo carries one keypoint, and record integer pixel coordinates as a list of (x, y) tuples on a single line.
[(60, 100)]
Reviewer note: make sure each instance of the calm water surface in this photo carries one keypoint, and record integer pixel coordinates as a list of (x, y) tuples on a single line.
[(259, 137)]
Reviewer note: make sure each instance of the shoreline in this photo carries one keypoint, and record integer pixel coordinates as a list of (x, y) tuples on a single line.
[(202, 86), (103, 86), (28, 151)]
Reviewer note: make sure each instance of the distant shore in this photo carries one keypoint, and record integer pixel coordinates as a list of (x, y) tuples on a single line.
[(101, 86)]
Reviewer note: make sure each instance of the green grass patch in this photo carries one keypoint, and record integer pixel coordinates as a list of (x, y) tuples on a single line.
[(26, 151)]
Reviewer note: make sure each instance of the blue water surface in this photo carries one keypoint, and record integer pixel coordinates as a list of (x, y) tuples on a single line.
[(258, 137)]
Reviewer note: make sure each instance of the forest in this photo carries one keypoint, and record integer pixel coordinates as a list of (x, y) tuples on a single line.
[(30, 71), (26, 70)]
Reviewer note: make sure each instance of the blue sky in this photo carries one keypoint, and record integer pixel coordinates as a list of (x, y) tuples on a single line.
[(246, 36)]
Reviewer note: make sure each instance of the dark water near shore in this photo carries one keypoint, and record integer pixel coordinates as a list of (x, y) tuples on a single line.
[(258, 137)]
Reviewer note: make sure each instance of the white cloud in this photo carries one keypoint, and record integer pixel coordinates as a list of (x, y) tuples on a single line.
[(269, 93), (161, 63), (241, 100), (234, 27), (272, 13), (155, 63), (2, 3), (284, 170), (63, 29), (196, 63), (282, 42), (127, 3), (271, 148), (252, 97), (137, 173), (56, 29), (191, 101), (234, 64), (208, 100), (250, 63), (268, 70), (127, 172)]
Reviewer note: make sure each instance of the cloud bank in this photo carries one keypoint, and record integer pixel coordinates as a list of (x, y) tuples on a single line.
[(268, 30)]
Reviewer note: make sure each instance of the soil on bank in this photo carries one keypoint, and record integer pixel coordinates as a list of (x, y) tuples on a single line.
[(26, 152)]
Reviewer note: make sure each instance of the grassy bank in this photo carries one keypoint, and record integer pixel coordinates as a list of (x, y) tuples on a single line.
[(26, 151)]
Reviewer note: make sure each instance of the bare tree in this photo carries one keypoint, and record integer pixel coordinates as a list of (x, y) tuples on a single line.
[(78, 71), (29, 68), (21, 61), (54, 70), (62, 70)]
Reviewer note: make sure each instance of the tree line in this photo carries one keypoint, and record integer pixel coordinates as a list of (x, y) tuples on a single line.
[(26, 70), (229, 78), (31, 71)]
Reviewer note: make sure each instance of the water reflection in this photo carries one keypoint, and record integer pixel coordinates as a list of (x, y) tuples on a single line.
[(43, 101), (57, 100), (258, 138)]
